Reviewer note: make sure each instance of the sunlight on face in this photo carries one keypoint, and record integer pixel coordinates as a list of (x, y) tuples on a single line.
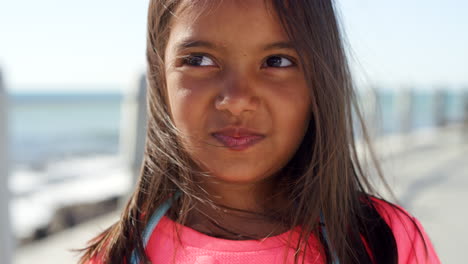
[(236, 90)]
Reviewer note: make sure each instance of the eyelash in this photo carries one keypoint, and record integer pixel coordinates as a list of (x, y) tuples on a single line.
[(187, 58)]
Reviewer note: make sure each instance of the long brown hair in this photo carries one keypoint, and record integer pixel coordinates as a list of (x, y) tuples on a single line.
[(324, 176)]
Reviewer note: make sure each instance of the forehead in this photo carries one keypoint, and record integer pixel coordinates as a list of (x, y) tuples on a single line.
[(227, 22), (209, 6)]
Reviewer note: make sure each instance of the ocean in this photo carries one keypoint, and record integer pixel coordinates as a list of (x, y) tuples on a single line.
[(64, 150), (48, 127)]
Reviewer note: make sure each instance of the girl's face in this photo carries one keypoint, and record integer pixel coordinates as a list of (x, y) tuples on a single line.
[(235, 89)]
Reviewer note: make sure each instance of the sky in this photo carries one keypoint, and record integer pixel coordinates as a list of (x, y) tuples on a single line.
[(99, 46)]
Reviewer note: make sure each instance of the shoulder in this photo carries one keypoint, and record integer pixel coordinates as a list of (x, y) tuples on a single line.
[(394, 215), (413, 243)]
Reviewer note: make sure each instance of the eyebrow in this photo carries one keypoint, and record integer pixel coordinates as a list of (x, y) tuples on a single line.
[(191, 43), (280, 45)]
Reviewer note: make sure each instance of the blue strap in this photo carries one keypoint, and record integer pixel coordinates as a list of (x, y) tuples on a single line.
[(325, 236), (152, 223)]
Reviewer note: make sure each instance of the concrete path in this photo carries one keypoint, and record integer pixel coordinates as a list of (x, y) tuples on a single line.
[(428, 172), (59, 248)]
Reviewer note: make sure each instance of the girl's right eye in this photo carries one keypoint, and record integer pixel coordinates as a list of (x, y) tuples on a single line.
[(198, 60)]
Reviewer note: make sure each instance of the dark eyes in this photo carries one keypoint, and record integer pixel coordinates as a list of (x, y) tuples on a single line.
[(200, 60), (277, 61)]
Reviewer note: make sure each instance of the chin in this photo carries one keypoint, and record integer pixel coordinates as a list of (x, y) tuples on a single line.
[(239, 176)]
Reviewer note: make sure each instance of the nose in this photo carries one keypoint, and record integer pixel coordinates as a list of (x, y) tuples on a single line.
[(237, 95)]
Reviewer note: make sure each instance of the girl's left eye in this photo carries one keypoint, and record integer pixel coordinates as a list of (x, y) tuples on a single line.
[(278, 62)]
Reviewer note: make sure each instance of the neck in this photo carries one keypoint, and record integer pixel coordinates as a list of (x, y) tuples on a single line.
[(242, 196), (242, 211)]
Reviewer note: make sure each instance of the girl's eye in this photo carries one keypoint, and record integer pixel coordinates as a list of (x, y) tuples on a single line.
[(198, 60), (277, 61)]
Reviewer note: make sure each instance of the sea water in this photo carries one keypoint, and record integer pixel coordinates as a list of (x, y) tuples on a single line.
[(48, 127), (63, 151)]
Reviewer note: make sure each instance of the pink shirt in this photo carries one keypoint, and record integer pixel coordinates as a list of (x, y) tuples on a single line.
[(198, 248)]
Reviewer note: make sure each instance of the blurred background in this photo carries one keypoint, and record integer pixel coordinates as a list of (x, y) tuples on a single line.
[(72, 115)]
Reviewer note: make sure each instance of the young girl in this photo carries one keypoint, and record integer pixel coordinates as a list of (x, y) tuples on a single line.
[(250, 153)]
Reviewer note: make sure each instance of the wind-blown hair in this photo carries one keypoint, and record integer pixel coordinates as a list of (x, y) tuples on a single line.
[(325, 174)]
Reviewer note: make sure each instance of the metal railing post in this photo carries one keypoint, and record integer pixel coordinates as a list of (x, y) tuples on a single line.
[(439, 108), (465, 114), (6, 237), (405, 107), (133, 126)]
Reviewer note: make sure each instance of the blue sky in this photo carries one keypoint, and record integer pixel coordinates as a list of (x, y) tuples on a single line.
[(87, 45)]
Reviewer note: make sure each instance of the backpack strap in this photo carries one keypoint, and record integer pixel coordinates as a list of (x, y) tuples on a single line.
[(153, 222), (325, 236)]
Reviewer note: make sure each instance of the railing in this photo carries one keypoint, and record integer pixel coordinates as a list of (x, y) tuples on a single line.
[(6, 241), (133, 126)]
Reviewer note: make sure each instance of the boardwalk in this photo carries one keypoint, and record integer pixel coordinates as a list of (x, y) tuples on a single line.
[(428, 171)]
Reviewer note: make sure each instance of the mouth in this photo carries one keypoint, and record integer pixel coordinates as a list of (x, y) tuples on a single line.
[(238, 143), (237, 138)]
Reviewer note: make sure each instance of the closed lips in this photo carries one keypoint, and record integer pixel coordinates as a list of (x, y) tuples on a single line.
[(237, 139), (237, 143), (237, 132)]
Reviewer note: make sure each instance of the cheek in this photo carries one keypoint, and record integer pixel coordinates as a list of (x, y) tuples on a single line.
[(291, 107), (189, 103), (290, 99)]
